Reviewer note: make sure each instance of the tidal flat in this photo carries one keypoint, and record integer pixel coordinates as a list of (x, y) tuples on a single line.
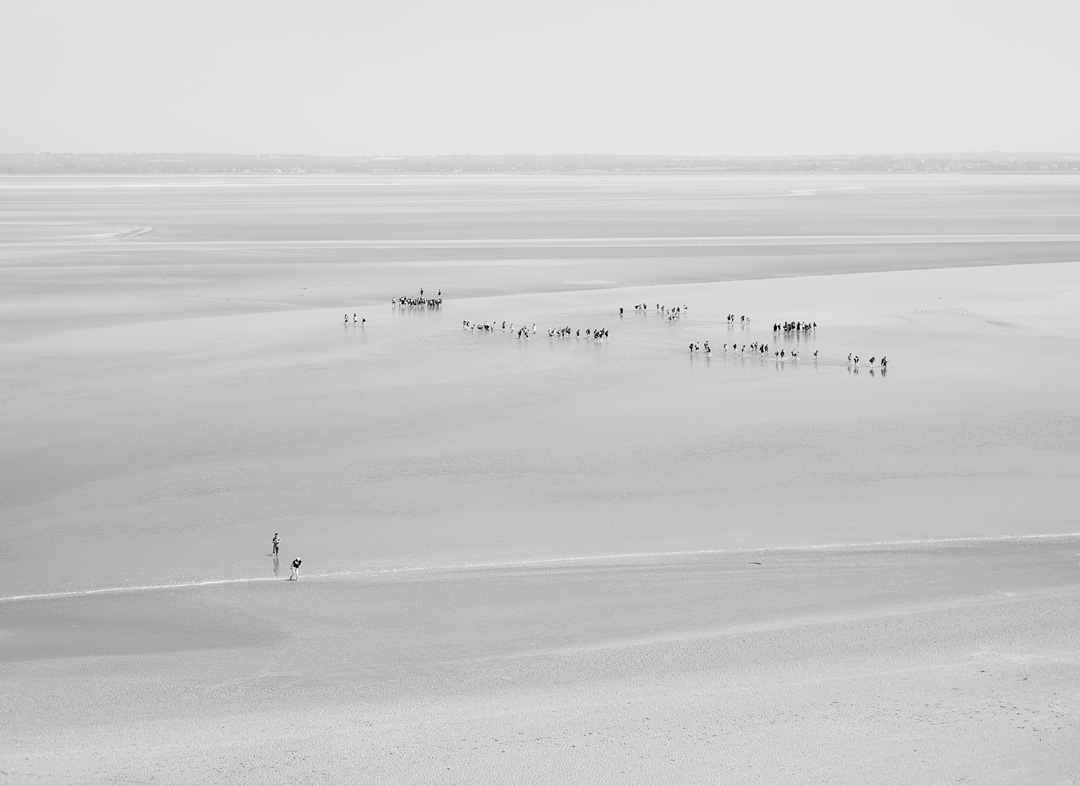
[(551, 542)]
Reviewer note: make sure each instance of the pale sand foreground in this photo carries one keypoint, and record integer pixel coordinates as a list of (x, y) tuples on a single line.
[(920, 663)]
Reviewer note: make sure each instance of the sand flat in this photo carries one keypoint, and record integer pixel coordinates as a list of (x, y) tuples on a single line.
[(224, 429), (896, 664), (536, 560)]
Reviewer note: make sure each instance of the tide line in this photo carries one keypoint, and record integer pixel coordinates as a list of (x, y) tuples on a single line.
[(555, 561)]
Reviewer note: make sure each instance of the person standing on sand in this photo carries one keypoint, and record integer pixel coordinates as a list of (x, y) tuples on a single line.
[(295, 570), (275, 542)]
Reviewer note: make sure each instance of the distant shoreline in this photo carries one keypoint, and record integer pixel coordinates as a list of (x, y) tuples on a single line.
[(208, 163)]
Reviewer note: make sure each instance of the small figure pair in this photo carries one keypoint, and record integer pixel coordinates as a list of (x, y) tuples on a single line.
[(276, 542)]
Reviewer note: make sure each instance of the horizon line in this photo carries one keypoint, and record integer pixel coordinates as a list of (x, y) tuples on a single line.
[(398, 156)]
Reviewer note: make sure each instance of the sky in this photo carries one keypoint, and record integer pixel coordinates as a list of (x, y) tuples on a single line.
[(421, 77)]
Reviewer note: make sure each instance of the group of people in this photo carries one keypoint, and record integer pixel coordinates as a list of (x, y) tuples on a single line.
[(406, 302), (564, 332), (418, 302), (762, 349), (792, 353), (788, 329), (525, 331), (671, 312), (853, 360), (754, 347), (275, 545), (782, 354), (794, 327)]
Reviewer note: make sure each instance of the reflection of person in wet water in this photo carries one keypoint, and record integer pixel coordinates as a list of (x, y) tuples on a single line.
[(295, 570), (275, 543)]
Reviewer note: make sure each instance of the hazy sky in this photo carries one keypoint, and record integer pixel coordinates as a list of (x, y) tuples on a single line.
[(539, 76)]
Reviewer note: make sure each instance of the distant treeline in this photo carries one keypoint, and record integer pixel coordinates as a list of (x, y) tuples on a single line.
[(195, 163)]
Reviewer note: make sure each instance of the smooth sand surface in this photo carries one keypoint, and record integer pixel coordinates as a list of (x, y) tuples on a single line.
[(934, 663), (171, 451), (534, 561)]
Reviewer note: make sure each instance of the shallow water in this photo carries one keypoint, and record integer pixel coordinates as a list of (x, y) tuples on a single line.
[(194, 397)]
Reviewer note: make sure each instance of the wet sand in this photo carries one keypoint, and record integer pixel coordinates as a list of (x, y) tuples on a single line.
[(535, 560), (941, 662), (171, 451)]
